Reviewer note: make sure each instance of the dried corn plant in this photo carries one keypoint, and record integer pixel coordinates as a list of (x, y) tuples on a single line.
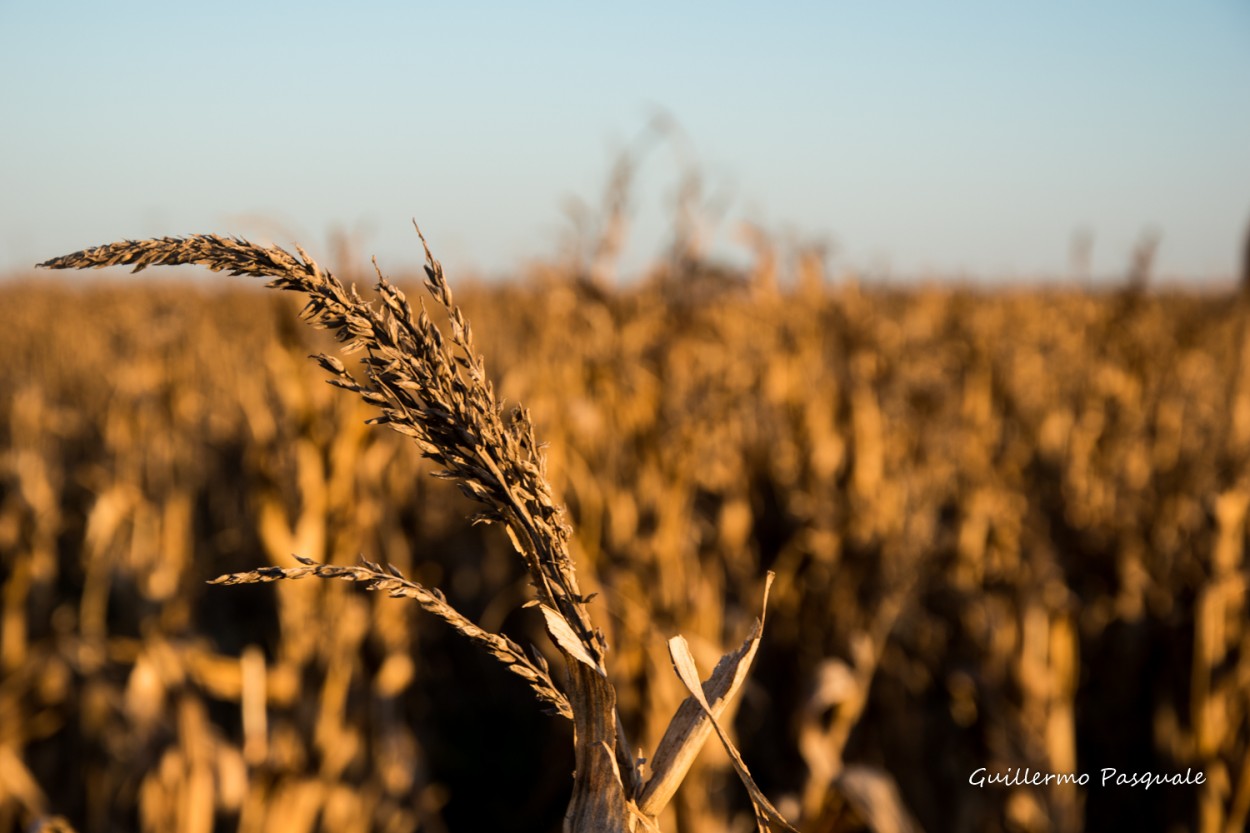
[(434, 390), (1008, 529)]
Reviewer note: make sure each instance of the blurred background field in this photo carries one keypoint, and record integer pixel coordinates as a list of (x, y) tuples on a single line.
[(1008, 526)]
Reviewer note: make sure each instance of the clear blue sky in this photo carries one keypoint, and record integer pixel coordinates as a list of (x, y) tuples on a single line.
[(919, 137)]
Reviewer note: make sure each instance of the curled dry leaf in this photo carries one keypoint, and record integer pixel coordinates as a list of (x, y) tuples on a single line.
[(696, 719), (691, 727), (766, 814)]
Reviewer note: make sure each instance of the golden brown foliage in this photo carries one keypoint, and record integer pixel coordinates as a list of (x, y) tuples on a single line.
[(1008, 530)]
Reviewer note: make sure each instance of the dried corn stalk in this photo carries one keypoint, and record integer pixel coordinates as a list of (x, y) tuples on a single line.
[(433, 389)]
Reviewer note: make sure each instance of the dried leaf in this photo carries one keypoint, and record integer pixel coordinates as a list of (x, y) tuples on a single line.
[(566, 637), (765, 812), (691, 726)]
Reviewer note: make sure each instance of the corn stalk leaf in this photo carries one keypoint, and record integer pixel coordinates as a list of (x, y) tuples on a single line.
[(564, 635), (695, 719), (766, 814)]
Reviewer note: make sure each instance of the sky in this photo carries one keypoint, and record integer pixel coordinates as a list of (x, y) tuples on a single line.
[(915, 139)]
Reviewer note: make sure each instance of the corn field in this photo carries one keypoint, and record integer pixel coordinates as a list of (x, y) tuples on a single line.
[(1008, 529)]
